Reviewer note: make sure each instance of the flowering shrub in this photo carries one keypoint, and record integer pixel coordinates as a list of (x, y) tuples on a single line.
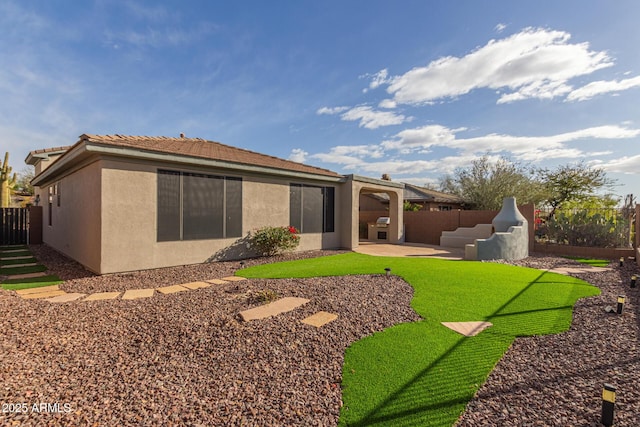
[(275, 240)]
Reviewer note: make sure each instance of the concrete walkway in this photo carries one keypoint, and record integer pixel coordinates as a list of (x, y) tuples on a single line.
[(417, 250)]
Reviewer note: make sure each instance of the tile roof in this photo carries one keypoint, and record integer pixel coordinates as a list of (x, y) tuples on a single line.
[(201, 148), (50, 150)]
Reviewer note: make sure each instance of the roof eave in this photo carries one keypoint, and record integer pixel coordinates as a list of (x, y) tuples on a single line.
[(100, 149)]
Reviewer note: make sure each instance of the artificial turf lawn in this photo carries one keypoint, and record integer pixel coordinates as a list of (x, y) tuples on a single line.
[(17, 284), (422, 373), (592, 262)]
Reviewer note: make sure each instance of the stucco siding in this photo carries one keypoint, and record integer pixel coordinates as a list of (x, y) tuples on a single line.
[(75, 224), (129, 224)]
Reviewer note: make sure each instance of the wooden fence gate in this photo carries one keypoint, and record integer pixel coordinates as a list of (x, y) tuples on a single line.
[(14, 226)]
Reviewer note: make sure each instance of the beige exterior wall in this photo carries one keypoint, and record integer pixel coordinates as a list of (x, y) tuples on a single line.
[(129, 221), (75, 224)]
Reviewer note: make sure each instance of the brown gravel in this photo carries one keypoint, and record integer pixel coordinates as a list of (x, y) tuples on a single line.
[(556, 380), (186, 359)]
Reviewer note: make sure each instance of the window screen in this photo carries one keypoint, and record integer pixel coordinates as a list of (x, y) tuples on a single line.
[(168, 206), (197, 206), (312, 208)]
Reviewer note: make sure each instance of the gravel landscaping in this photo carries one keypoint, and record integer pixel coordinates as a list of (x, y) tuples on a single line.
[(187, 359)]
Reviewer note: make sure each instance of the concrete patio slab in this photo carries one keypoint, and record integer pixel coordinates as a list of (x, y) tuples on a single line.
[(138, 293), (196, 285), (319, 319), (280, 306), (66, 297), (27, 275), (171, 289), (217, 282), (19, 265), (409, 250), (38, 290), (468, 329), (234, 279), (48, 294), (99, 296)]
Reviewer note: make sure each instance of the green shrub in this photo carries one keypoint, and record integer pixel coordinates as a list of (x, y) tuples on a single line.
[(275, 240)]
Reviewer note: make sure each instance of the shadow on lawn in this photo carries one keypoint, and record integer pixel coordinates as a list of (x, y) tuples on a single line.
[(448, 402)]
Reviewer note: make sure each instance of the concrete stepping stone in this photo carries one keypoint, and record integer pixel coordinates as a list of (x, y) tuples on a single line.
[(67, 297), (586, 269), (282, 305), (99, 296), (319, 319), (138, 293), (196, 285), (171, 289), (234, 278), (27, 276), (41, 289), (39, 295), (13, 251), (11, 258), (19, 265), (468, 329), (217, 281)]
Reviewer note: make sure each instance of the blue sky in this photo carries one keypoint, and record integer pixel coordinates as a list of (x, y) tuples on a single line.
[(409, 88)]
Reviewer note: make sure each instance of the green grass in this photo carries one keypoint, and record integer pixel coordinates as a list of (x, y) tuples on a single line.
[(423, 373), (23, 270), (18, 261), (36, 282), (590, 261)]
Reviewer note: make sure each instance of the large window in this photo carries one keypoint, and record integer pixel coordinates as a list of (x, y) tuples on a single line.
[(196, 206), (312, 208)]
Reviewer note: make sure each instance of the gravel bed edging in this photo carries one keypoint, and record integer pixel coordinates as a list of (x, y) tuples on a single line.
[(186, 359), (557, 380)]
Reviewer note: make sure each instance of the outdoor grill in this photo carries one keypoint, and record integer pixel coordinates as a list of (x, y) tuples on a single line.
[(378, 231)]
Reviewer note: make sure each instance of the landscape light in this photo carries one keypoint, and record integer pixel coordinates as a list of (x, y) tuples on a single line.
[(621, 261), (388, 272), (633, 280), (608, 402), (620, 304)]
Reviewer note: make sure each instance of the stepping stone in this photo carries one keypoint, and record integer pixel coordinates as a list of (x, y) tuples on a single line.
[(10, 258), (282, 305), (27, 276), (171, 289), (569, 270), (468, 329), (99, 296), (196, 285), (217, 281), (320, 318), (41, 289), (138, 293), (19, 265), (234, 278), (12, 251), (66, 297), (48, 294)]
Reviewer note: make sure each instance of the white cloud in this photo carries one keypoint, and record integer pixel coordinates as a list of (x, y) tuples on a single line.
[(422, 137), (597, 88), (372, 119), (626, 164), (298, 155), (500, 28), (379, 78), (331, 110), (534, 63)]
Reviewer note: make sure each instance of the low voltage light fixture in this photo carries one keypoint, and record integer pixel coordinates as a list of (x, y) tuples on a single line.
[(387, 272), (620, 304), (608, 403), (621, 261), (634, 278)]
